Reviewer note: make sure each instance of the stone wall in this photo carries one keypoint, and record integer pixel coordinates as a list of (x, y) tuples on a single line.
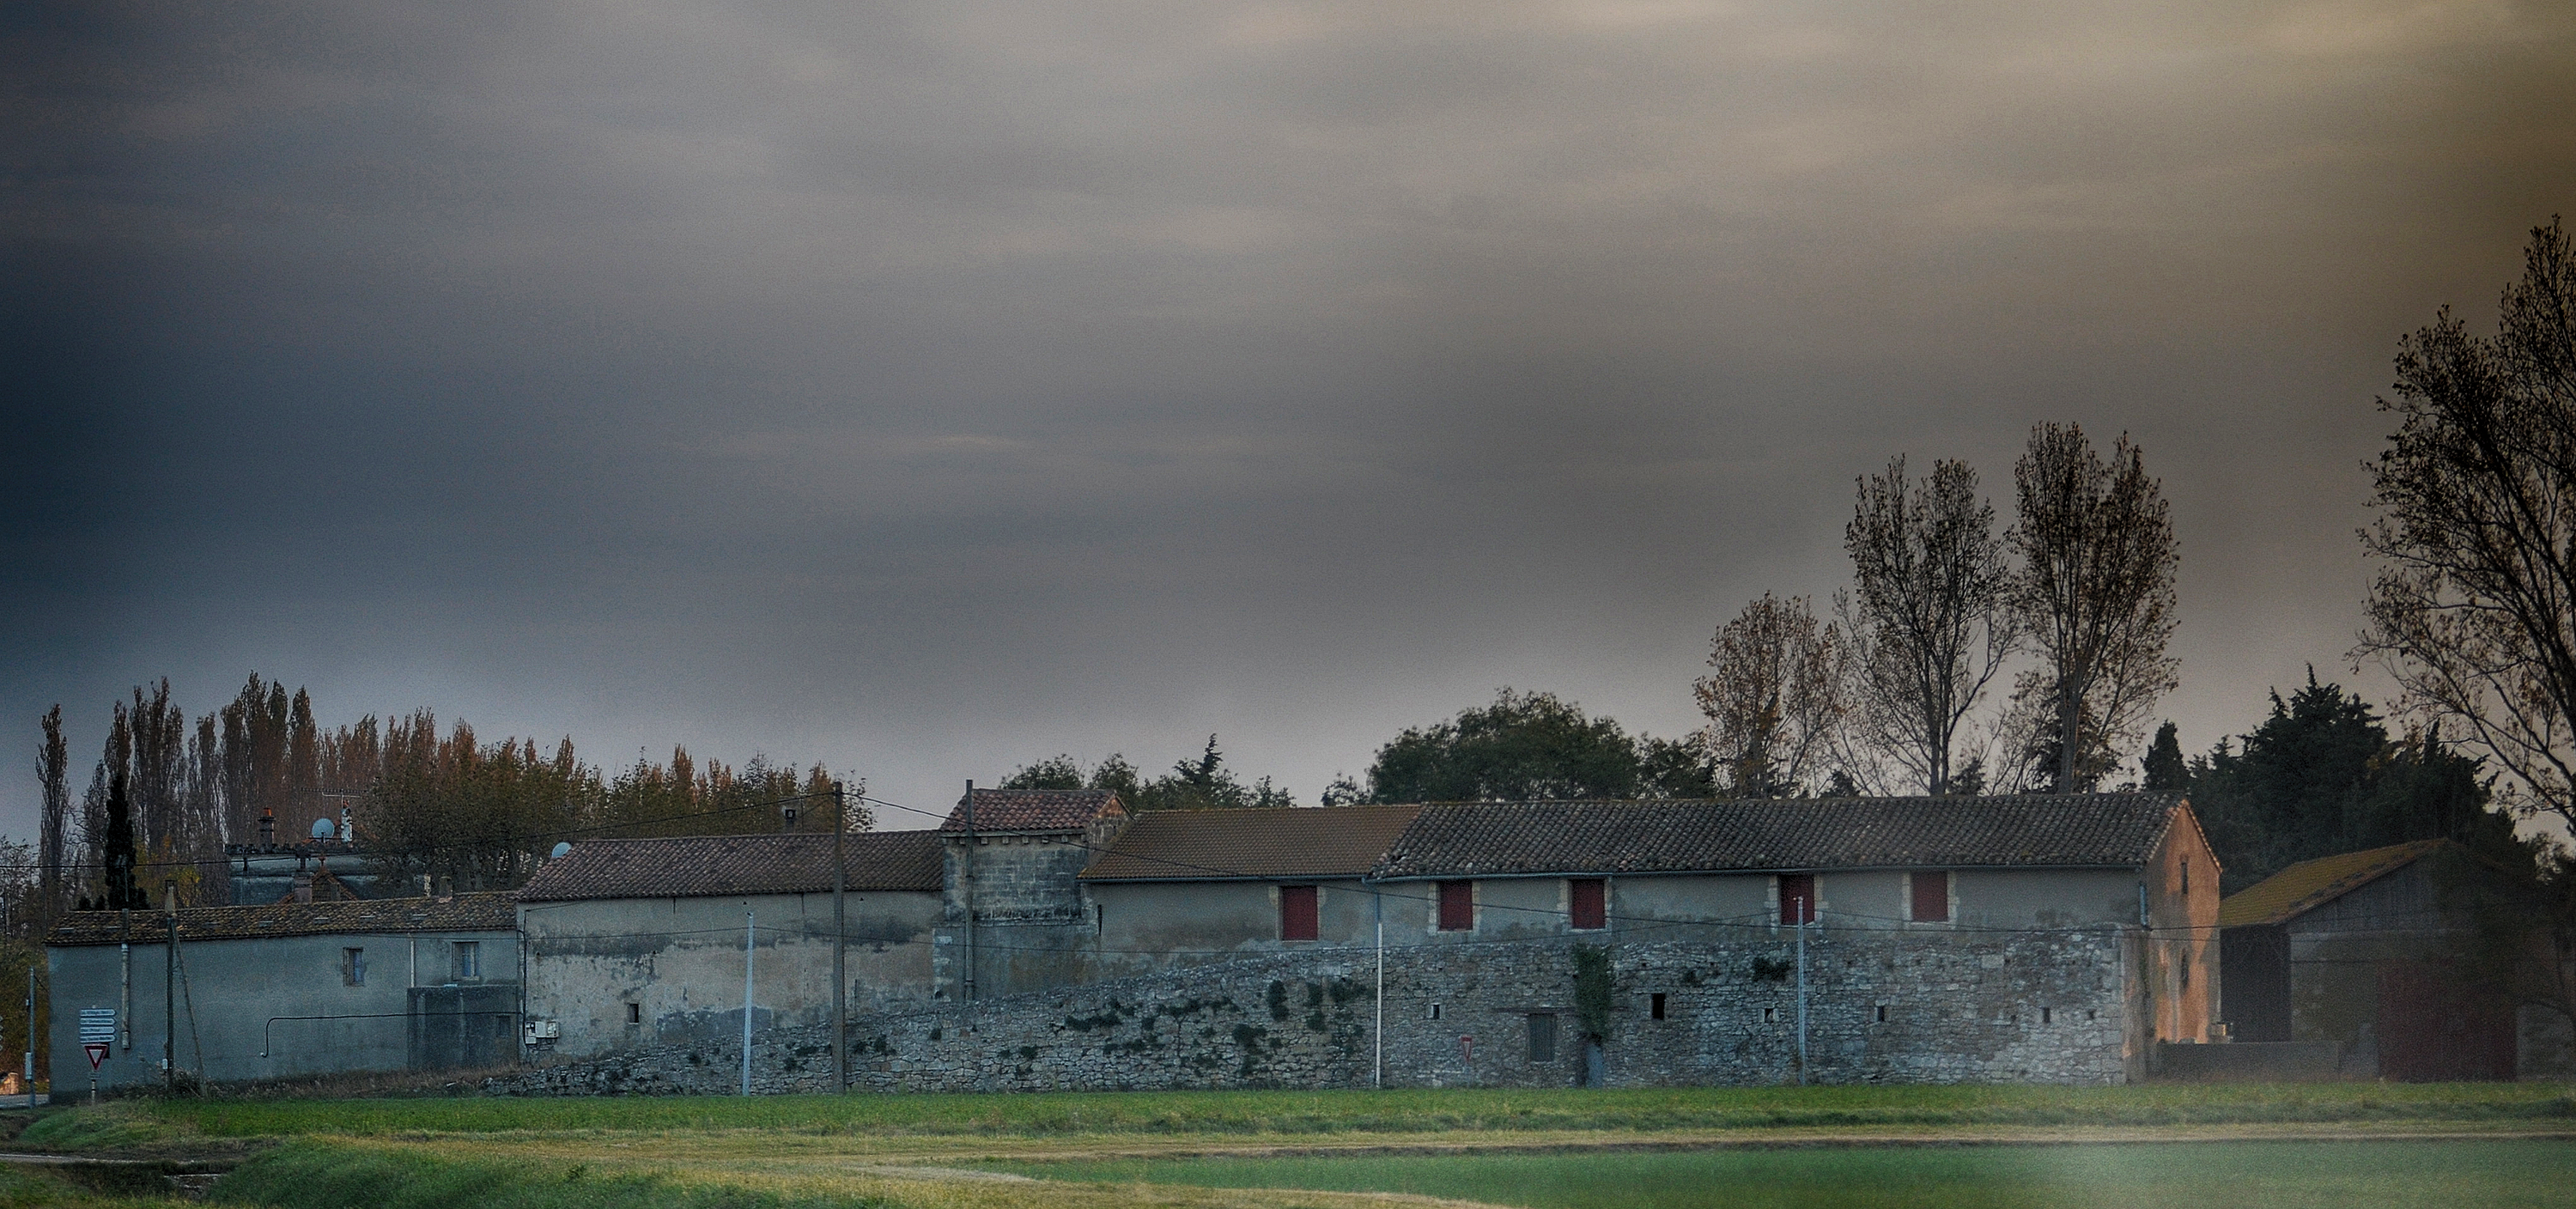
[(2041, 1007)]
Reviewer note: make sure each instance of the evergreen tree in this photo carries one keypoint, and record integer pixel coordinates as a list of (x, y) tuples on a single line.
[(2166, 771)]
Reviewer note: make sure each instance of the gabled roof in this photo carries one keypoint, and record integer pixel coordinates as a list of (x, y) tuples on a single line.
[(463, 913), (2308, 885), (1035, 809), (716, 866), (1488, 839), (1217, 845)]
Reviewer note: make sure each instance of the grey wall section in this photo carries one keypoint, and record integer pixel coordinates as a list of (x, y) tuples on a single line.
[(252, 995), (1032, 924), (680, 962), (2031, 1007)]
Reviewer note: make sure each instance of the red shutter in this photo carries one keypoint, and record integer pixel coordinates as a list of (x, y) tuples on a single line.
[(1297, 913), (1797, 898), (1590, 899), (1931, 897), (1457, 906)]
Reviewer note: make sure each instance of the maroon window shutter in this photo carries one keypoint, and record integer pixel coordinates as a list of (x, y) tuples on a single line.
[(1590, 900), (1297, 913), (1457, 906), (1797, 898), (1931, 897)]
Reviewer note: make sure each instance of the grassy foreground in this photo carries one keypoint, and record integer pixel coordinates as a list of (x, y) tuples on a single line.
[(1569, 1149)]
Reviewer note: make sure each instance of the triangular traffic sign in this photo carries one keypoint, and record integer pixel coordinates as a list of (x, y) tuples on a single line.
[(97, 1052)]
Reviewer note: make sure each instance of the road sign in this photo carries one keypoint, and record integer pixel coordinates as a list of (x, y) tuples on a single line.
[(98, 1024), (97, 1053)]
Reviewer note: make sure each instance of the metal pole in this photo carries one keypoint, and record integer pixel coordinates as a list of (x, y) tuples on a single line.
[(840, 946), (966, 891), (31, 1031), (748, 921), (1802, 989), (1377, 902), (170, 990)]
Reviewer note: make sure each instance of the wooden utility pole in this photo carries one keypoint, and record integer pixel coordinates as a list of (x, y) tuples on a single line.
[(840, 943)]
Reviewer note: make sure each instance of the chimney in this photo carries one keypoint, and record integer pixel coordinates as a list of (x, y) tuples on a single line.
[(267, 827), (446, 887), (303, 886)]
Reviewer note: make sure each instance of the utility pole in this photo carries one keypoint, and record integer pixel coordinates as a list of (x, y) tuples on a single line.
[(749, 919), (170, 989), (840, 944), (1801, 912), (1377, 906), (966, 892), (31, 1031)]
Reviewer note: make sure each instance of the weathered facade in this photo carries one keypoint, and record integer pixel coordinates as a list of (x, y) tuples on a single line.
[(2360, 950), (286, 989), (643, 942), (2012, 939)]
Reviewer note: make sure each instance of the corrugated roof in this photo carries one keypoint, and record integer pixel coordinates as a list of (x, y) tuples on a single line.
[(1192, 845), (1482, 839), (1034, 809), (714, 866), (2308, 885), (463, 913)]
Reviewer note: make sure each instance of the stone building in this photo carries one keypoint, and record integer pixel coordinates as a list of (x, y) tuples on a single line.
[(638, 942), (2054, 939), (286, 989)]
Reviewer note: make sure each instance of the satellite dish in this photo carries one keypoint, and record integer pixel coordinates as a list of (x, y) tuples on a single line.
[(323, 830), (560, 849)]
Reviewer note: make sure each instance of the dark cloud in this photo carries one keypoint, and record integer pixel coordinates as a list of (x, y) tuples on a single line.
[(930, 388)]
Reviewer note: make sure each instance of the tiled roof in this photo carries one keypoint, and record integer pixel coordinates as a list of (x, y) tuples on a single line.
[(463, 913), (1191, 845), (714, 866), (1479, 839), (1034, 809), (2305, 886)]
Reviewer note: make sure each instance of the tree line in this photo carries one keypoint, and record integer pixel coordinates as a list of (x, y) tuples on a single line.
[(167, 794)]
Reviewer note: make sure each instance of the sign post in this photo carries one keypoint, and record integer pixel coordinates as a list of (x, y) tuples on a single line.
[(97, 1051)]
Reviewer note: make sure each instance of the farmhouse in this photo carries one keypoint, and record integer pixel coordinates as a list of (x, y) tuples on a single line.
[(292, 988), (634, 942), (2001, 938)]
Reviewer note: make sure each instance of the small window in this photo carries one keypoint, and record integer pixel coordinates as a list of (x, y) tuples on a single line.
[(1297, 915), (1797, 898), (469, 959), (634, 1013), (2186, 877), (1435, 1011), (1770, 1015), (1589, 901), (1931, 897), (1655, 1005), (2048, 1015), (353, 967), (1542, 1026), (1882, 1013), (1457, 906)]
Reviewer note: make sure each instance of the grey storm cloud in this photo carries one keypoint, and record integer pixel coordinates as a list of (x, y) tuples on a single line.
[(931, 388)]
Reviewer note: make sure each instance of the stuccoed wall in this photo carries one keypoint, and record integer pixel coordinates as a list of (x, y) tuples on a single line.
[(2030, 1008)]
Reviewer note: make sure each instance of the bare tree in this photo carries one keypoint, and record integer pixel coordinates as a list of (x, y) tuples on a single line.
[(2095, 592), (1927, 620), (2474, 605), (1775, 697)]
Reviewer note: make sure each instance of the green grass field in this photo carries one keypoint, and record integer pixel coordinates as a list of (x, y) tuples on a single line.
[(2273, 1175), (1267, 1150)]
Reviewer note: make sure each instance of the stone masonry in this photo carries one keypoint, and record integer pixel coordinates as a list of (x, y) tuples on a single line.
[(1918, 1007)]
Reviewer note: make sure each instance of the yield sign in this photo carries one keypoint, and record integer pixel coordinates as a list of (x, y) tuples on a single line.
[(97, 1052)]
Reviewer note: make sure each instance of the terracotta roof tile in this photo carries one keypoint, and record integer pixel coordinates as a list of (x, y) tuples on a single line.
[(1195, 845), (714, 866), (463, 913), (1472, 839), (2305, 886), (1034, 809)]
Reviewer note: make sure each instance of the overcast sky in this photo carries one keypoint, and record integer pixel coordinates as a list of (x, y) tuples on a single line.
[(927, 389)]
